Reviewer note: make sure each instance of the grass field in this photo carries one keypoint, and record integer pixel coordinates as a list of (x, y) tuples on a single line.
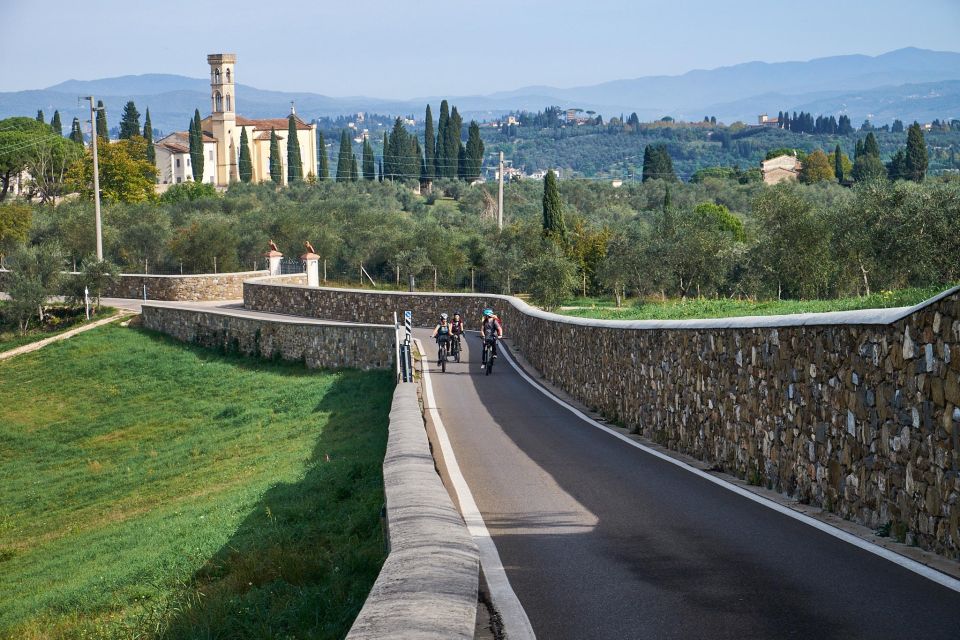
[(59, 320), (724, 308), (153, 490)]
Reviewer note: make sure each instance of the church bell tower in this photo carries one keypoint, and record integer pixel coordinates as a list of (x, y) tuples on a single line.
[(223, 119)]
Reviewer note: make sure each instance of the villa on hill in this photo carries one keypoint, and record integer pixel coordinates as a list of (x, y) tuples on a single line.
[(784, 167), (221, 137)]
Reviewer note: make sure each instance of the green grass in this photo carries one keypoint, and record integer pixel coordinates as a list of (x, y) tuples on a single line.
[(59, 320), (724, 308), (148, 489)]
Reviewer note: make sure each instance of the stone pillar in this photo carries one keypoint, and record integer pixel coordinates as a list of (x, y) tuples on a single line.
[(313, 271), (274, 257)]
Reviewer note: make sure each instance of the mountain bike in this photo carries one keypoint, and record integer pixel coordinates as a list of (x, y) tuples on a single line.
[(443, 352), (489, 355), (455, 348)]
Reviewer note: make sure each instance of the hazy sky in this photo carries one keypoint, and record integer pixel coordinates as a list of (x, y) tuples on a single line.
[(423, 47)]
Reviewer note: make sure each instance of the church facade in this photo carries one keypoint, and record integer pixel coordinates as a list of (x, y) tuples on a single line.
[(222, 130)]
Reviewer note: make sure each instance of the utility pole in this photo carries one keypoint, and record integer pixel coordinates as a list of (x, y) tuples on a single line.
[(96, 177), (500, 196)]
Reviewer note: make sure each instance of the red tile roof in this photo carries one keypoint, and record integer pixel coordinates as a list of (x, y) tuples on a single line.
[(265, 124)]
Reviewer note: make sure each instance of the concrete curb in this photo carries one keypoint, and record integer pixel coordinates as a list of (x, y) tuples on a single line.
[(428, 585)]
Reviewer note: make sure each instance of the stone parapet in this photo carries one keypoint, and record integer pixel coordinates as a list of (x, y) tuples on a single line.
[(427, 587), (329, 345), (855, 412)]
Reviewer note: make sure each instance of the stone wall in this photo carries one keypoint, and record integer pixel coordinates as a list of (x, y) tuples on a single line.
[(211, 286), (856, 412), (427, 587), (329, 345)]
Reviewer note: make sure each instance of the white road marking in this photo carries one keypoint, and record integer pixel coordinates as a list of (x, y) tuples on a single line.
[(908, 564), (515, 621)]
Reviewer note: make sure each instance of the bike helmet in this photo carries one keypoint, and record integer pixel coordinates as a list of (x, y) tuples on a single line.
[(443, 316), (488, 312)]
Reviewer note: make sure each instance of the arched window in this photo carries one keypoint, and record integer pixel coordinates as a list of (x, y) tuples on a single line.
[(217, 102), (229, 108), (228, 76), (216, 76)]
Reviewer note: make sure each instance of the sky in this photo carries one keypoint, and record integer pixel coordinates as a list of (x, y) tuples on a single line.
[(417, 48)]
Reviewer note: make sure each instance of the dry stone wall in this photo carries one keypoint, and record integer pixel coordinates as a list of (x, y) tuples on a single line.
[(328, 345), (859, 415)]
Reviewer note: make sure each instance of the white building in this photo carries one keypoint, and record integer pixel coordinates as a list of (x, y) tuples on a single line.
[(173, 159)]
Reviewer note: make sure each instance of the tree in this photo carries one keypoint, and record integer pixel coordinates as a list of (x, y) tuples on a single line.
[(196, 148), (35, 272), (95, 276), (897, 126), (369, 167), (867, 164), (207, 238), (75, 133), (125, 174), (344, 157), (294, 160), (102, 130), (816, 168), (276, 164), (453, 144), (474, 153), (29, 145), (429, 147), (324, 163), (870, 145), (897, 167), (551, 276), (48, 161), (245, 164), (129, 121), (657, 164), (56, 124), (148, 136), (838, 163), (40, 116), (916, 164), (554, 227), (354, 172), (443, 125), (15, 221)]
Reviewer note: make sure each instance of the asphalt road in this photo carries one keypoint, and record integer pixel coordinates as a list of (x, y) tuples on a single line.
[(602, 540)]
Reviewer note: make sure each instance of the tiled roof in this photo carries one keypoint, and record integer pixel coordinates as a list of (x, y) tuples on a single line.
[(265, 124), (172, 146), (266, 136)]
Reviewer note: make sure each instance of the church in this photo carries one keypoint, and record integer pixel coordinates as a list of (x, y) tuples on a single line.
[(221, 137)]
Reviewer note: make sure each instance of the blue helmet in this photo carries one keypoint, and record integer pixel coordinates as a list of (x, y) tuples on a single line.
[(487, 312)]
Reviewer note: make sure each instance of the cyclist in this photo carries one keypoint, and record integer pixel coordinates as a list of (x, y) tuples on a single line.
[(491, 330), (442, 333), (457, 329)]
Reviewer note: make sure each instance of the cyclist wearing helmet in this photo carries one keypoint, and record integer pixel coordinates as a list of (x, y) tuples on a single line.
[(456, 330), (491, 330), (442, 332)]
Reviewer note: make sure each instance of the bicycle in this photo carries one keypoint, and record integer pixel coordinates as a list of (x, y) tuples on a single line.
[(489, 355), (442, 354), (455, 348)]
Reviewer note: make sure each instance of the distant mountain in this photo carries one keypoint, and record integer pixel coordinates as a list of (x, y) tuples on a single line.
[(908, 84)]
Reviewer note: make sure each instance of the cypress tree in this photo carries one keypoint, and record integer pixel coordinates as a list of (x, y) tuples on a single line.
[(75, 133), (554, 227), (148, 136), (916, 165), (276, 164), (245, 163), (56, 124), (40, 116), (461, 162), (343, 159), (452, 144), (870, 145), (369, 168), (196, 152), (648, 168), (443, 124), (386, 162), (416, 161), (129, 121), (399, 163), (474, 152), (380, 176), (324, 162), (354, 174), (858, 150), (102, 130), (294, 160), (838, 163), (429, 147), (667, 200), (897, 167)]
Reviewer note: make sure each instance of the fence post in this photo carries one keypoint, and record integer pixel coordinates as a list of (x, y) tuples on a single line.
[(472, 290), (434, 278), (214, 264), (324, 270)]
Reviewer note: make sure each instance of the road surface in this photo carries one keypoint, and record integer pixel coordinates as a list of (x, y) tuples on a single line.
[(602, 540)]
